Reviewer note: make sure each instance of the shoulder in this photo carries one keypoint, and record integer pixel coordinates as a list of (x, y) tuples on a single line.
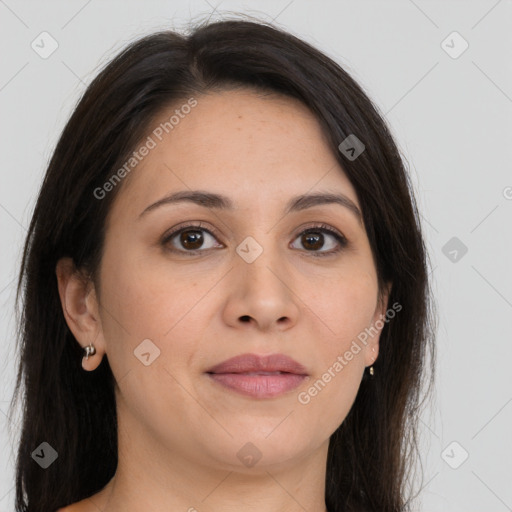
[(93, 503), (79, 506)]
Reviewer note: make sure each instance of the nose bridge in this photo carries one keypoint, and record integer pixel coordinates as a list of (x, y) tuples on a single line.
[(261, 272), (258, 254)]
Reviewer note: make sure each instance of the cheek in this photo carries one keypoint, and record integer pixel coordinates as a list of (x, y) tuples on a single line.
[(141, 296), (343, 309), (347, 310), (325, 403), (142, 301), (149, 336), (343, 306)]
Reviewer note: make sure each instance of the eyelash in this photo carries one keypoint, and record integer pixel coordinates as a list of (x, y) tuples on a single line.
[(324, 228)]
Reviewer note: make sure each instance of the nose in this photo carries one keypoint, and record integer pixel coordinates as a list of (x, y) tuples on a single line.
[(261, 295)]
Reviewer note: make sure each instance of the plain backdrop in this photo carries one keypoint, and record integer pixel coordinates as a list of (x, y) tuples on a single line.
[(440, 72)]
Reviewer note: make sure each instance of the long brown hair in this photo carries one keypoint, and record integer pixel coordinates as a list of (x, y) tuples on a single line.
[(372, 452)]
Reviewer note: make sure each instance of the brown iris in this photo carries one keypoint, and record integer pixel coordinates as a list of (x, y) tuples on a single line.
[(313, 238), (191, 239)]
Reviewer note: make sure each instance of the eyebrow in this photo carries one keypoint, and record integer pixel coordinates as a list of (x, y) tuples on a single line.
[(221, 202)]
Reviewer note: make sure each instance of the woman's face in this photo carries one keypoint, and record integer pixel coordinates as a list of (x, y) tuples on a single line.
[(256, 284)]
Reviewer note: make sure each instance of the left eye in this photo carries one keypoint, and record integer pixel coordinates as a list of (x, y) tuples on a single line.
[(315, 237)]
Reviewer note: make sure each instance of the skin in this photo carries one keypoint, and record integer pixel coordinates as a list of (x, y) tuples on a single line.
[(179, 433)]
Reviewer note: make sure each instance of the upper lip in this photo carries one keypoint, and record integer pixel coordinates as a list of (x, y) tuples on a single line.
[(256, 363)]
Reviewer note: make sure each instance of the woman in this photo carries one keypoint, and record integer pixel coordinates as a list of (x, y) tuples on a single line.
[(225, 289)]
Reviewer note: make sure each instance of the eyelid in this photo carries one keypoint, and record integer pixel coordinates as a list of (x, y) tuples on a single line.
[(320, 226), (198, 225), (323, 227)]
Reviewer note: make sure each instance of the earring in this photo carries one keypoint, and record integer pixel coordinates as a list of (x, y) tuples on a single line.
[(371, 371), (89, 351)]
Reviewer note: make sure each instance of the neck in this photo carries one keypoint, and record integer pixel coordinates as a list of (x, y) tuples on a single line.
[(152, 477)]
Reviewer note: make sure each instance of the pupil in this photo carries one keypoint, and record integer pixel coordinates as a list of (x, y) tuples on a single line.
[(312, 237), (188, 240)]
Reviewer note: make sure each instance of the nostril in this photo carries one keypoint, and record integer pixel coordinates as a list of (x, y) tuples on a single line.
[(245, 318)]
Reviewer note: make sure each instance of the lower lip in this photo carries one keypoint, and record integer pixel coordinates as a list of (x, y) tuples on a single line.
[(259, 386)]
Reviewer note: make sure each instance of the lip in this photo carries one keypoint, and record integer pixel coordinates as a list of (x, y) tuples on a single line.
[(259, 376), (246, 363)]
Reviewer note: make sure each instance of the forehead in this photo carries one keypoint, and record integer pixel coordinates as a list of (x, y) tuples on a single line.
[(256, 149)]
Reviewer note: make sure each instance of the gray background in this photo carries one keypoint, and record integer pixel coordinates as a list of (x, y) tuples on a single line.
[(452, 120)]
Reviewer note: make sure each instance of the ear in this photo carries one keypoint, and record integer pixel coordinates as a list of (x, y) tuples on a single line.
[(81, 311), (378, 323)]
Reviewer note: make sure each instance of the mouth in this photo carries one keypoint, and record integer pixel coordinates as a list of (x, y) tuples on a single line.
[(259, 385), (262, 373), (259, 376)]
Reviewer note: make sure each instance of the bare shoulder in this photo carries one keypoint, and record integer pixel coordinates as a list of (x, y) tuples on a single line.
[(85, 505), (70, 508), (96, 502)]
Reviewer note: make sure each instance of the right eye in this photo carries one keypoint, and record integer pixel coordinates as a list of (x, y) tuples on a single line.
[(190, 237)]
